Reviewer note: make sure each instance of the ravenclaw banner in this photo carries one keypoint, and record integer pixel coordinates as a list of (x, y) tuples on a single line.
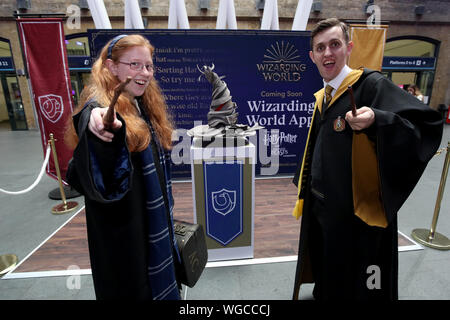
[(368, 46), (45, 57)]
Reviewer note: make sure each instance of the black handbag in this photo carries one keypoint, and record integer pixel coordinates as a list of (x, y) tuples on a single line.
[(190, 237), (194, 254)]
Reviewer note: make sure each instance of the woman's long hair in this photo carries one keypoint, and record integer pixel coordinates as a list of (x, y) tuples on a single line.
[(101, 89)]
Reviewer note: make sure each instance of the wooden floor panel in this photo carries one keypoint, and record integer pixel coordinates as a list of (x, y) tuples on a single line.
[(276, 232)]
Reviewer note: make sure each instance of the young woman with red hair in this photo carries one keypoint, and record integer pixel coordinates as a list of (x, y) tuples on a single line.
[(128, 205)]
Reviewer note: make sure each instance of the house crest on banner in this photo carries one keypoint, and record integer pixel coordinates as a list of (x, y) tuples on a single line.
[(224, 201), (51, 106)]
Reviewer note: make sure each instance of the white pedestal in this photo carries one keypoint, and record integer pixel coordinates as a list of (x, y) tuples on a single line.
[(223, 180)]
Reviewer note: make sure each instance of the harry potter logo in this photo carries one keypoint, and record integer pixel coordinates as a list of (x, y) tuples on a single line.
[(281, 62)]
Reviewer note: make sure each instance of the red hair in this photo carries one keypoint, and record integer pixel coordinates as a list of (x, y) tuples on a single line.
[(101, 89)]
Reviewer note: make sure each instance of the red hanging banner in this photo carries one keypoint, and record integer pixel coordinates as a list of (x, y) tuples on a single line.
[(45, 55)]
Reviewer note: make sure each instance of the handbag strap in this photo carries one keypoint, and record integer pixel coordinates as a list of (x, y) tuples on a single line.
[(162, 183)]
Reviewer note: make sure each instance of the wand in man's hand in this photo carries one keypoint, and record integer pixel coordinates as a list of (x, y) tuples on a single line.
[(352, 99), (108, 118)]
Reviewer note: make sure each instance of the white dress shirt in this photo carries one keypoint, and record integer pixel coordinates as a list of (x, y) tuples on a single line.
[(336, 82)]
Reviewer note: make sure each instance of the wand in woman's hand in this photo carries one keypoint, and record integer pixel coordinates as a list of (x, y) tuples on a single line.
[(108, 118)]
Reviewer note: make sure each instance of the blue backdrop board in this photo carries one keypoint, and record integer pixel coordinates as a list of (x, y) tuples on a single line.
[(269, 74)]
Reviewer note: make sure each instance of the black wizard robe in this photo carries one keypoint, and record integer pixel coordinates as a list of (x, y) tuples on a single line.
[(112, 180), (350, 250)]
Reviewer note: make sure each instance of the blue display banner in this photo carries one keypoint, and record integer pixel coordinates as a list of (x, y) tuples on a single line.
[(409, 63), (269, 74), (223, 199), (6, 64)]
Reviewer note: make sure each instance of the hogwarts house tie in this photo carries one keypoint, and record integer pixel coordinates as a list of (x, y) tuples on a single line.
[(328, 90)]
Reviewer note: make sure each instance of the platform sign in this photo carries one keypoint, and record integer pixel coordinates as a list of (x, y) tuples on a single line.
[(409, 63), (6, 64)]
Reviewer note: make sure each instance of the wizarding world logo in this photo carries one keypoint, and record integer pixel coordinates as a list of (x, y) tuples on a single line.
[(281, 63)]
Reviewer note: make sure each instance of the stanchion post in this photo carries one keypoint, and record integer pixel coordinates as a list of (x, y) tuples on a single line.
[(431, 238), (65, 206)]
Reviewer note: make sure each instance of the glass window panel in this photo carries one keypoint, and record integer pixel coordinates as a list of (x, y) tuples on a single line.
[(402, 78), (78, 47), (4, 49), (16, 101), (409, 48)]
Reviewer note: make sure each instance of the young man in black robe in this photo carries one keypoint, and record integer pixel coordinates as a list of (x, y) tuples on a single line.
[(357, 171)]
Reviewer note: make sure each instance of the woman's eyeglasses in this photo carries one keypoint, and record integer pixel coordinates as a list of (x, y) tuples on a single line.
[(138, 66)]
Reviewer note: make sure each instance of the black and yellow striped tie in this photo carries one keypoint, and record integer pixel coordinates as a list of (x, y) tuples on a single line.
[(328, 90)]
